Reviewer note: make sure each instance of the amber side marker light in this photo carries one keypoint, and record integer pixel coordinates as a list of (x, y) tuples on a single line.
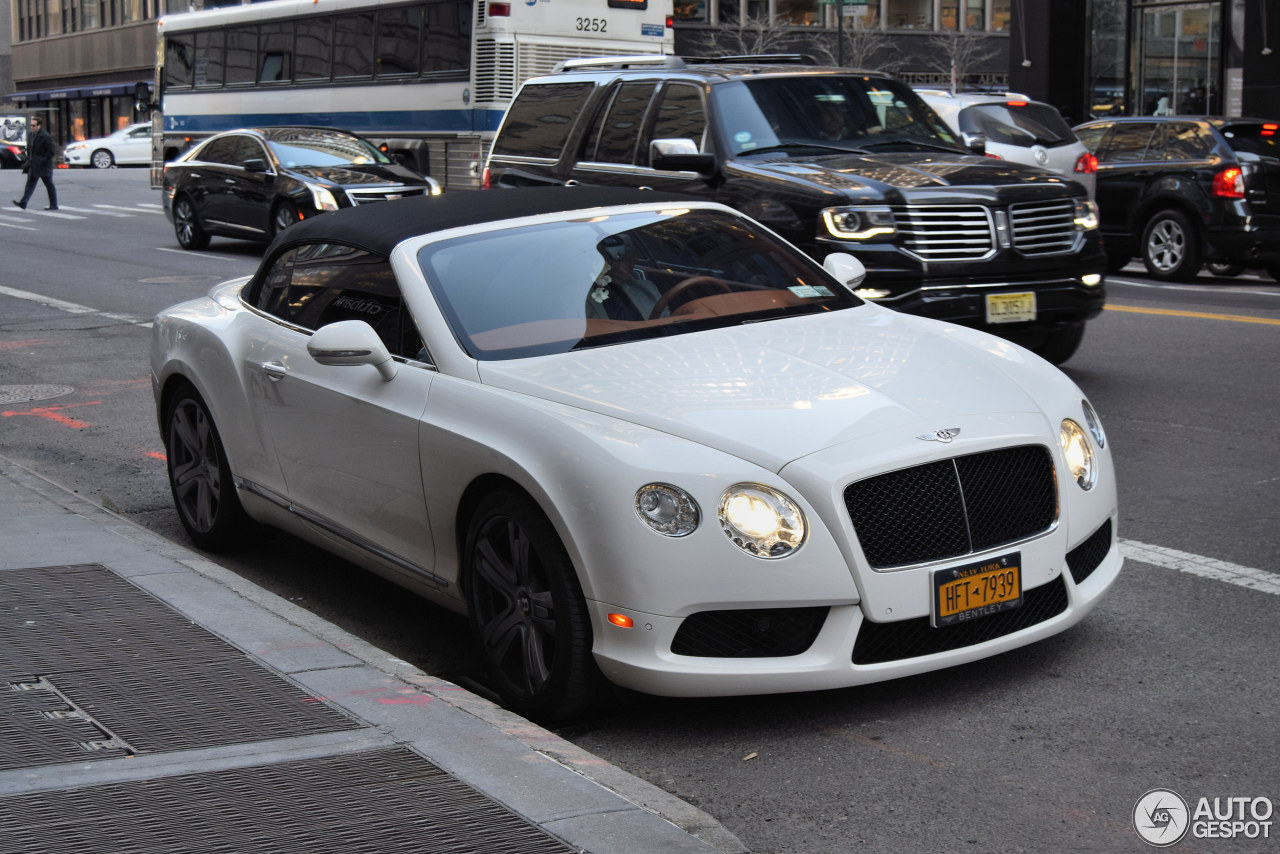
[(622, 621)]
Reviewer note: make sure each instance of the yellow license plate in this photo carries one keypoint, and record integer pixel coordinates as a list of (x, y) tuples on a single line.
[(1011, 308), (977, 590)]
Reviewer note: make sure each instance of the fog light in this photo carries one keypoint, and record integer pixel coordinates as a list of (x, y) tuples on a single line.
[(1091, 279)]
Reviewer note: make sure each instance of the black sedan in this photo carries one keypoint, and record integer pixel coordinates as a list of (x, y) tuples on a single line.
[(255, 182)]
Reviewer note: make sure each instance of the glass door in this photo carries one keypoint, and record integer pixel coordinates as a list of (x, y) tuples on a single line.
[(1177, 59)]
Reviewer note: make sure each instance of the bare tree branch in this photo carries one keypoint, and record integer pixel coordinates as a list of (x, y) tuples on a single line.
[(960, 52)]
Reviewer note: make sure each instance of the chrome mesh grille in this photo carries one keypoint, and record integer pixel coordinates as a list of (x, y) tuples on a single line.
[(381, 194), (1044, 228), (946, 232), (954, 507)]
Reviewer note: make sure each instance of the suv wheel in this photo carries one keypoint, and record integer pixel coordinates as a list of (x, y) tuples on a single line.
[(1223, 269), (1171, 247), (1274, 271), (1061, 344)]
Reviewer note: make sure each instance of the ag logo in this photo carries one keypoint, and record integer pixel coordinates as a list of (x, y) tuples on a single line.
[(1161, 817)]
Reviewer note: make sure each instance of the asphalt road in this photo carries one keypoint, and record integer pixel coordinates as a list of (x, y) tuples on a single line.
[(1171, 682)]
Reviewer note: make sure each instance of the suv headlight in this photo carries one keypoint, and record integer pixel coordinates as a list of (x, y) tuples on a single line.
[(859, 223), (1079, 454), (1086, 215), (761, 520), (321, 198)]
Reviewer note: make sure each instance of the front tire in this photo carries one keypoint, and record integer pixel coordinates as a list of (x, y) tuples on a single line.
[(1061, 344), (527, 611), (102, 159), (1171, 247), (204, 493), (186, 224), (284, 215)]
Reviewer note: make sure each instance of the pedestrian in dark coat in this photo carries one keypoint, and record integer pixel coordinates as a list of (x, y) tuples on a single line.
[(41, 153)]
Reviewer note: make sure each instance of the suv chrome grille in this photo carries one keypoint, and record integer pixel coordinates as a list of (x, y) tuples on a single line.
[(953, 507), (381, 194), (1044, 228), (946, 232)]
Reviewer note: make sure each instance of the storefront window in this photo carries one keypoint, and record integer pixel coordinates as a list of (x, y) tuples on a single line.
[(1000, 16), (799, 13), (77, 120), (1106, 75), (950, 14), (909, 14), (975, 16), (691, 10), (1178, 59)]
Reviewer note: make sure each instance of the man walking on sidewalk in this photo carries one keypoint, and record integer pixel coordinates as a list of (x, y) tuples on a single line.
[(41, 153)]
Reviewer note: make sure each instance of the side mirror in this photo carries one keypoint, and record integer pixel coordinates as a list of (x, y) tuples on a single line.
[(847, 269), (351, 342), (255, 164), (680, 155), (975, 142)]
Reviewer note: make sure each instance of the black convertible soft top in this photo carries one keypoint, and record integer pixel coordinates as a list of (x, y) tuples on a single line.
[(379, 227)]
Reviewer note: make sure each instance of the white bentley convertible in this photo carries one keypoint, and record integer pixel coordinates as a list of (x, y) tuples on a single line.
[(639, 438)]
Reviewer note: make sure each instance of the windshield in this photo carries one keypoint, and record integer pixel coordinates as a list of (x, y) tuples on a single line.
[(550, 288), (306, 147), (844, 113), (1021, 123)]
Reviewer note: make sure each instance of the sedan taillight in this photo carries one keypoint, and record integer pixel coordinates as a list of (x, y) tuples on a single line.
[(1087, 164), (1229, 183)]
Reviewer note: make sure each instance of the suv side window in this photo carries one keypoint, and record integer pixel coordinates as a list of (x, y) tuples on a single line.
[(680, 114), (321, 283), (614, 135), (1187, 141), (1092, 135), (538, 123), (1127, 143)]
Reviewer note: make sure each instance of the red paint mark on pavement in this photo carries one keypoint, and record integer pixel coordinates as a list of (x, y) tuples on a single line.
[(156, 455), (407, 700), (888, 748), (17, 345), (53, 413)]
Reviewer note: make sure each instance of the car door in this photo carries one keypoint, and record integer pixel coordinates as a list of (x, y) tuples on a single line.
[(345, 439), (1125, 169), (135, 147), (248, 191)]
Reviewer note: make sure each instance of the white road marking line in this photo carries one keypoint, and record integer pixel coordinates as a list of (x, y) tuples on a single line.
[(58, 213), (23, 227), (70, 307), (1205, 567), (191, 254), (90, 211), (132, 210)]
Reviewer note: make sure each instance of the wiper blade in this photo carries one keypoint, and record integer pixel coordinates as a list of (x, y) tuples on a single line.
[(784, 146), (934, 145)]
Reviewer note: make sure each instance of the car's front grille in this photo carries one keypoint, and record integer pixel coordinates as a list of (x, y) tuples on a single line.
[(749, 633), (381, 194), (1044, 228), (881, 642), (953, 507), (1088, 556), (946, 232)]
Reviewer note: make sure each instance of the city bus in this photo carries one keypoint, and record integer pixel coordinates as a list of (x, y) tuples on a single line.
[(426, 81)]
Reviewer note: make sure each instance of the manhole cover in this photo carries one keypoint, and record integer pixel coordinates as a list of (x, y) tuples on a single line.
[(22, 393), (179, 280)]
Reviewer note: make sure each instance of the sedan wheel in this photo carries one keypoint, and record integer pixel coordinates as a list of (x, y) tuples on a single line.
[(199, 477), (527, 611), (286, 214), (1171, 247), (187, 226), (102, 159)]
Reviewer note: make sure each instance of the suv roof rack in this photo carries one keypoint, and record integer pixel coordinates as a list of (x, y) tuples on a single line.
[(643, 59), (759, 58)]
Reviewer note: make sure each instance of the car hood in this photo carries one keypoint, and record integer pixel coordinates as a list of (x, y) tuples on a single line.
[(882, 174), (345, 176), (774, 392)]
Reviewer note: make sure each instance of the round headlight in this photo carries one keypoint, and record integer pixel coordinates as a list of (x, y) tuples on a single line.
[(1079, 453), (761, 521), (1094, 423), (667, 509)]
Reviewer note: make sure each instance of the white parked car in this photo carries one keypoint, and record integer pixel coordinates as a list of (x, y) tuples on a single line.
[(130, 146), (637, 437), (1017, 129)]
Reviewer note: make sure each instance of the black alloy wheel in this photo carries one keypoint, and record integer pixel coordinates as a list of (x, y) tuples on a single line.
[(186, 225), (200, 479), (1171, 247), (527, 611), (284, 215)]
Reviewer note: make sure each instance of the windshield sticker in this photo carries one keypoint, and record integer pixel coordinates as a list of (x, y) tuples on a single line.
[(742, 137), (810, 291)]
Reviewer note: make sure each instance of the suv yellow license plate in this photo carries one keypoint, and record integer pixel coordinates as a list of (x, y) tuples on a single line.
[(977, 590), (1011, 308)]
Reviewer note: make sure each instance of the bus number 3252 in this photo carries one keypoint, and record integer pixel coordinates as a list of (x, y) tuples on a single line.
[(592, 25)]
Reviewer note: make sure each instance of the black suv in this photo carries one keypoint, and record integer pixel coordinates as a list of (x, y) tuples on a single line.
[(833, 160), (1182, 192)]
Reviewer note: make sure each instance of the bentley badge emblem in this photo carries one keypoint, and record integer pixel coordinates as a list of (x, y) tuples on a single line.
[(943, 436)]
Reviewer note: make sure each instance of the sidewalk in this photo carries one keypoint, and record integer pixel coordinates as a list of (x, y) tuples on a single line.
[(151, 701)]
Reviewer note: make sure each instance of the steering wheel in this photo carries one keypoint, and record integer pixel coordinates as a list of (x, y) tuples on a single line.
[(684, 285)]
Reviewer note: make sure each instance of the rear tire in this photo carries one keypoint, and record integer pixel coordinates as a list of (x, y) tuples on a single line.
[(1171, 247), (1061, 344), (186, 224), (527, 611), (1224, 269), (200, 479)]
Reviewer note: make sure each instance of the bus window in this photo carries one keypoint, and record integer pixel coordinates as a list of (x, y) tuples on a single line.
[(353, 46)]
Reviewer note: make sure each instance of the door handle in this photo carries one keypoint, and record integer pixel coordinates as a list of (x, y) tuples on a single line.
[(274, 371)]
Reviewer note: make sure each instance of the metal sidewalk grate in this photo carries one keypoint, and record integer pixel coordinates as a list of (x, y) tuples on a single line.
[(93, 667), (381, 801)]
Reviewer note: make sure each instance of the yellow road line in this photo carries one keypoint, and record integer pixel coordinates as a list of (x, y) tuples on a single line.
[(1239, 318)]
